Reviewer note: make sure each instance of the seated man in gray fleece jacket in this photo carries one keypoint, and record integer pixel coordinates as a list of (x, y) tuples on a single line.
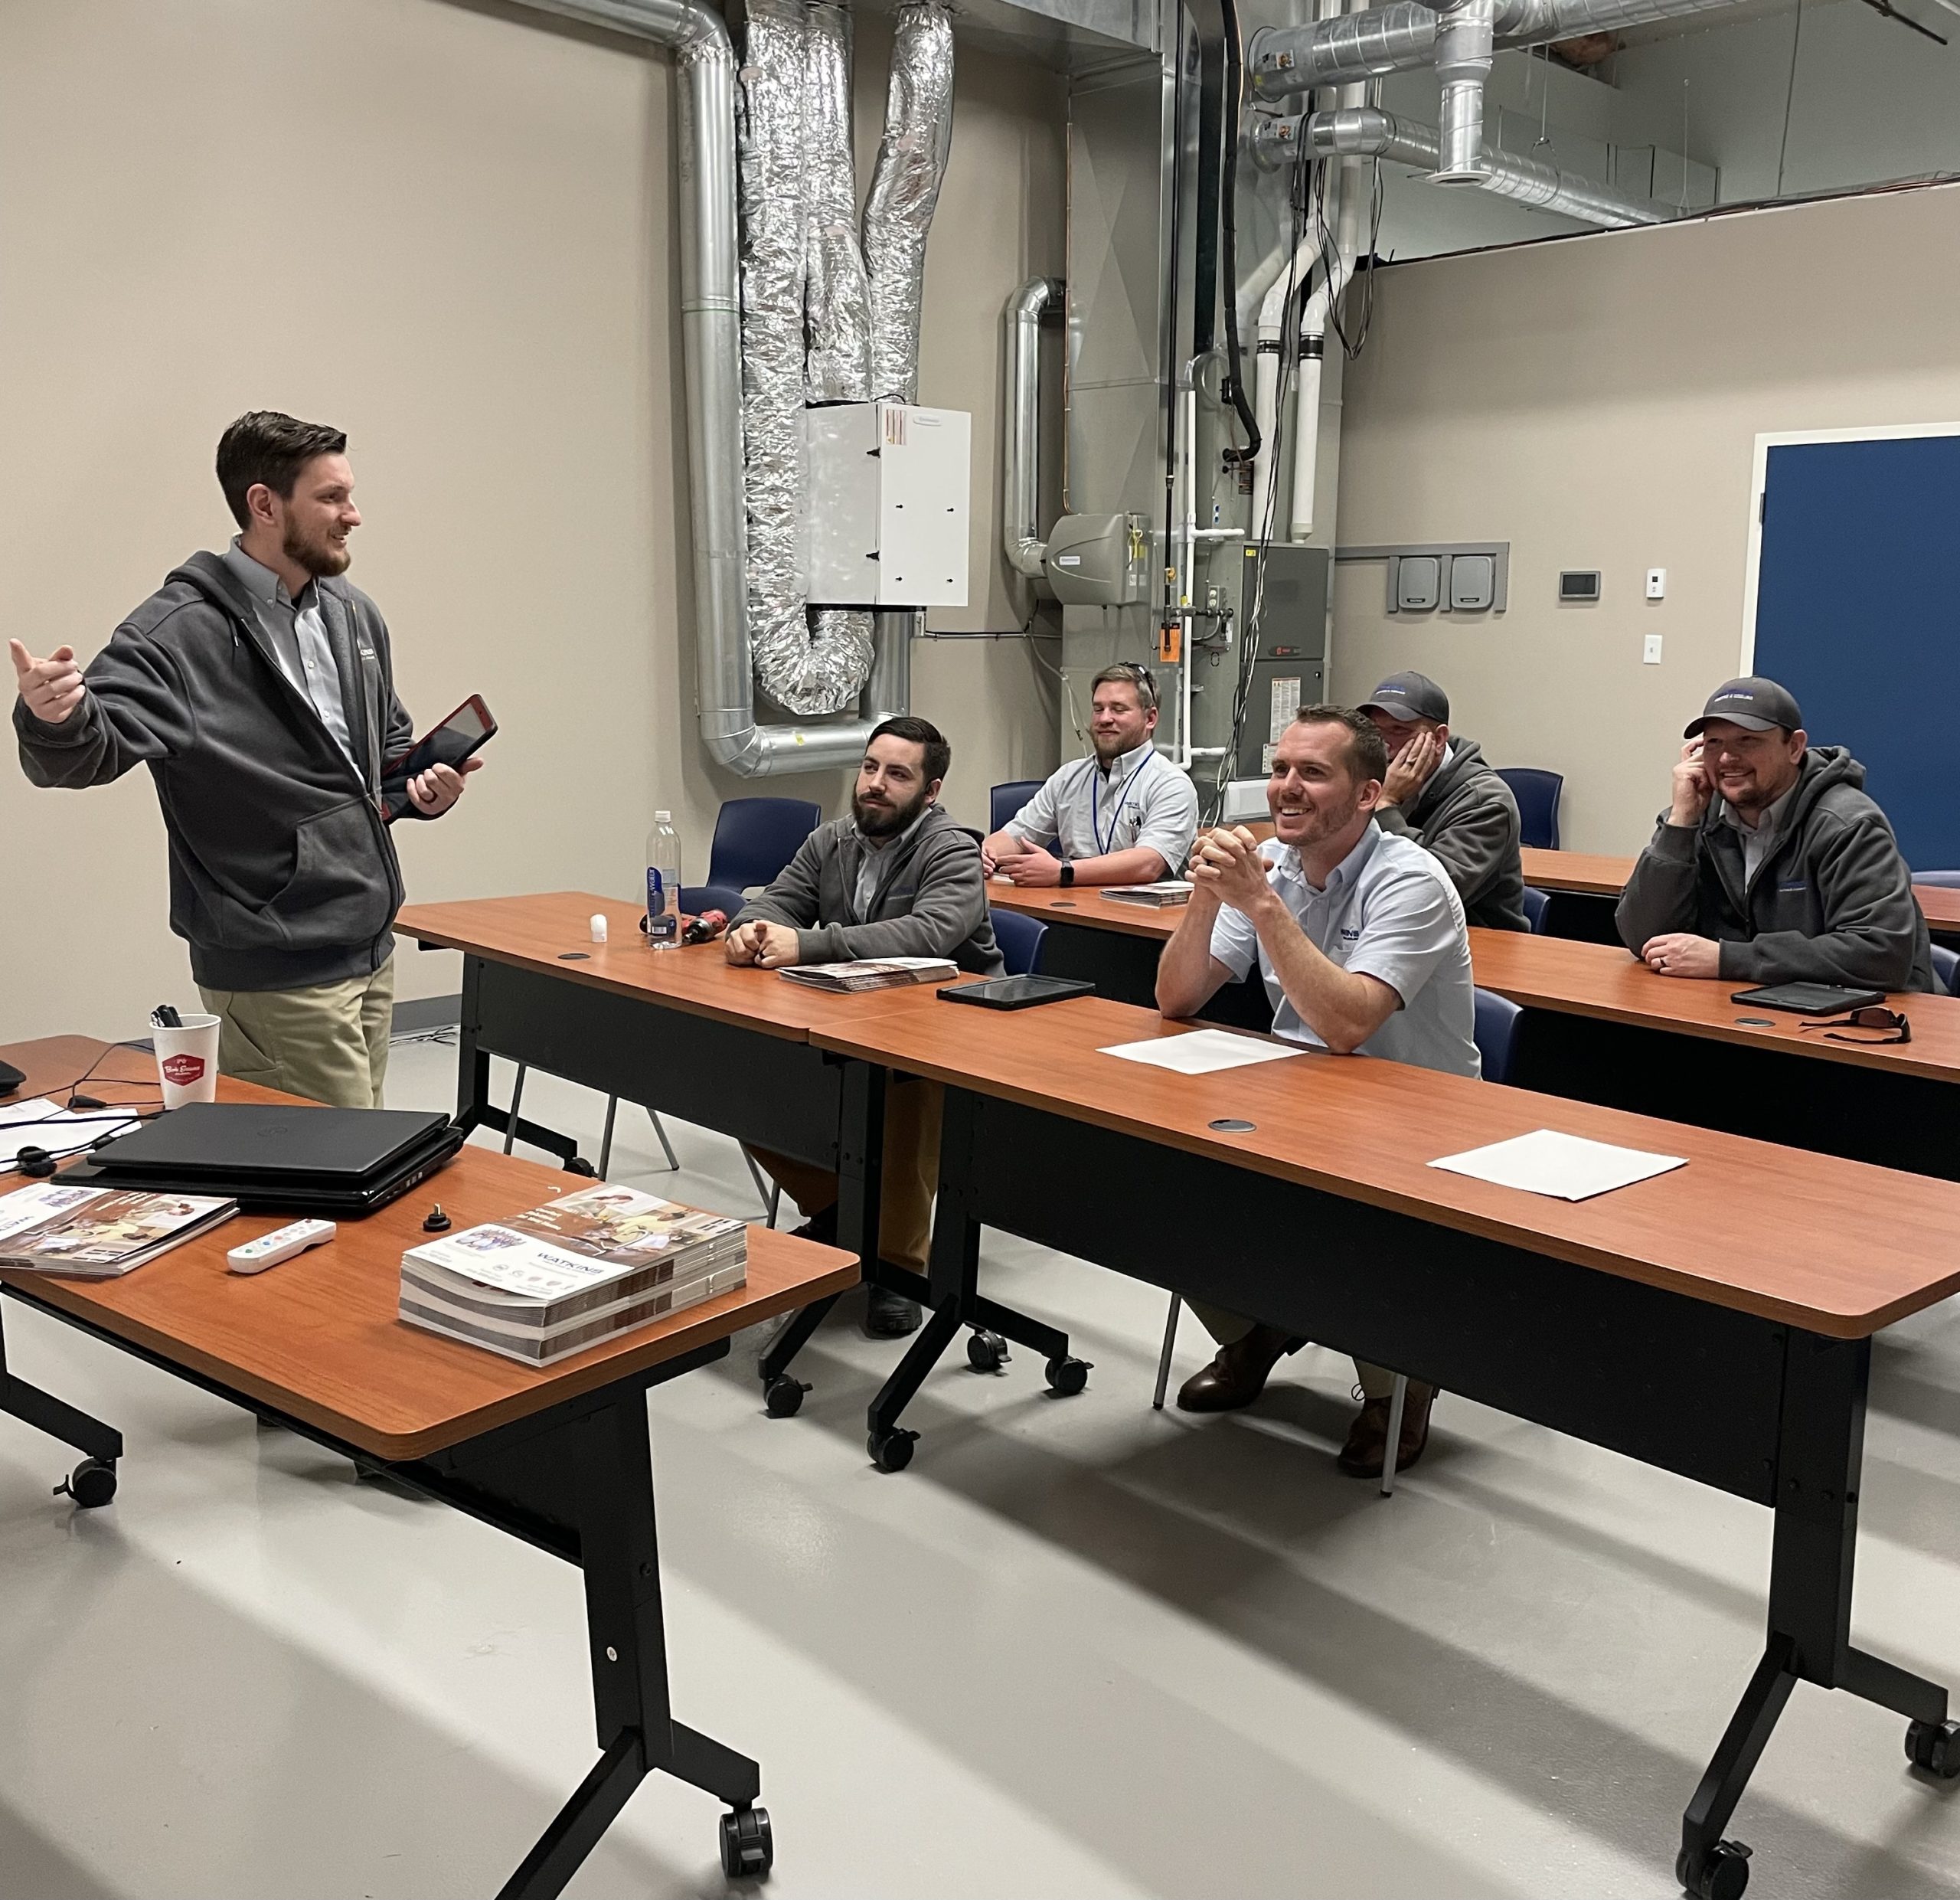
[(1440, 792), (1771, 865), (897, 877)]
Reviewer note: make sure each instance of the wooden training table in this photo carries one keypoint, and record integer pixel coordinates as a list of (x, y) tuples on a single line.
[(682, 1031), (1584, 886), (1715, 1321), (557, 1456)]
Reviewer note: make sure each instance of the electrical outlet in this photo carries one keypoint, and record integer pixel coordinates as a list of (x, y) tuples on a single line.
[(1650, 650), (1656, 583)]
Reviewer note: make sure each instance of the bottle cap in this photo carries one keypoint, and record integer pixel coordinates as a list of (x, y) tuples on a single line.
[(663, 818)]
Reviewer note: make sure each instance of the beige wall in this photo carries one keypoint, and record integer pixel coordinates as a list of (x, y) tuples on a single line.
[(1596, 402), (448, 230)]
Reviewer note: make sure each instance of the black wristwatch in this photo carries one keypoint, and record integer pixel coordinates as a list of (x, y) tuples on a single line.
[(1068, 874)]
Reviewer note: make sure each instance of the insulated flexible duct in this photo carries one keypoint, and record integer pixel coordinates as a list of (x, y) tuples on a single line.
[(837, 319), (905, 191)]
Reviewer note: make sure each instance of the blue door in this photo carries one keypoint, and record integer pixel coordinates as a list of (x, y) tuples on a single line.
[(1857, 612)]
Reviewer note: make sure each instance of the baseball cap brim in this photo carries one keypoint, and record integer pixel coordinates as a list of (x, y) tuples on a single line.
[(1748, 722), (1395, 708)]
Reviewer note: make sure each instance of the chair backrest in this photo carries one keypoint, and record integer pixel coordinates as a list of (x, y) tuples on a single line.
[(1020, 939), (1537, 796), (1496, 1032), (1005, 800), (1946, 969), (1949, 880), (754, 838), (1537, 908)]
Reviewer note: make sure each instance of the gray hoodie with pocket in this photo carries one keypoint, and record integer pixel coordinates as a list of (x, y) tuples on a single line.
[(1831, 900), (1466, 819), (929, 899), (283, 874)]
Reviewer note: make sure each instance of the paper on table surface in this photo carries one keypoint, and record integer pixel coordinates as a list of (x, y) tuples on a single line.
[(1566, 1167), (1202, 1052), (40, 1123)]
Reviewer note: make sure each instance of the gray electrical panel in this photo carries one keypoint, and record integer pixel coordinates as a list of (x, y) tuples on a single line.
[(1285, 618)]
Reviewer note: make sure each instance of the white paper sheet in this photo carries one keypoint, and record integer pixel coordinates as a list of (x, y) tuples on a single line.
[(1202, 1052), (1566, 1167), (40, 1123)]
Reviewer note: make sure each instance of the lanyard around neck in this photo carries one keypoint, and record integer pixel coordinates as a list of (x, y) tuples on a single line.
[(1102, 848)]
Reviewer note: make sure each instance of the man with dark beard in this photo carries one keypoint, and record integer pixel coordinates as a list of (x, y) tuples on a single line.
[(1359, 935), (897, 877), (258, 687)]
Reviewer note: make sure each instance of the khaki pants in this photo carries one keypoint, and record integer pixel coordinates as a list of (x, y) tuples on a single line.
[(912, 1112), (329, 1044), (1377, 1382)]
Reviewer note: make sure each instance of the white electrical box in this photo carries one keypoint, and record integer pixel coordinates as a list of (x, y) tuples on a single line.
[(886, 499)]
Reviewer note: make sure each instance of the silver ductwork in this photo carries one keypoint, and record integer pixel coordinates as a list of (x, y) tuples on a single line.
[(1021, 452), (1465, 31), (1284, 61), (905, 191), (1367, 132), (837, 310), (705, 70)]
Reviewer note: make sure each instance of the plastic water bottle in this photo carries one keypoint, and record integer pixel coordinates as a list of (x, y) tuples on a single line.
[(663, 884)]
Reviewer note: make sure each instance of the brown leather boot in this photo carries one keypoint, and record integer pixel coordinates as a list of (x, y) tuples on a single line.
[(1237, 1374), (1366, 1450)]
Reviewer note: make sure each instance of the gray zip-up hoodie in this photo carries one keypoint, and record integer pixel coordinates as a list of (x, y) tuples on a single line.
[(282, 872), (1466, 819), (1831, 902), (930, 900)]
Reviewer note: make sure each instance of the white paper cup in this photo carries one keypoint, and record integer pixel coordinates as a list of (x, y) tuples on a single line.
[(187, 1061)]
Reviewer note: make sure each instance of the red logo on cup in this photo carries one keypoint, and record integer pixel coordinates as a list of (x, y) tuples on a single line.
[(182, 1070)]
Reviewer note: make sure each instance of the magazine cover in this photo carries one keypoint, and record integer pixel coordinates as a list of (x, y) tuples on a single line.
[(110, 1230), (623, 1226)]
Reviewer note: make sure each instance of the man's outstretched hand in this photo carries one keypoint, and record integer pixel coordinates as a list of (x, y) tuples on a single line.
[(52, 688)]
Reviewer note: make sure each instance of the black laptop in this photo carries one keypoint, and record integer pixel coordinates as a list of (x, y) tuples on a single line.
[(277, 1158)]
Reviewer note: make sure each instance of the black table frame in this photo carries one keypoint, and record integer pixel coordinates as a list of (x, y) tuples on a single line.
[(768, 1090), (1761, 1409), (576, 1480)]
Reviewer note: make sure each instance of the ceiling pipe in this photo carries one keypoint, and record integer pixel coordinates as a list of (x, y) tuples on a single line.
[(1367, 132), (1021, 463), (1288, 60), (711, 356), (1465, 36)]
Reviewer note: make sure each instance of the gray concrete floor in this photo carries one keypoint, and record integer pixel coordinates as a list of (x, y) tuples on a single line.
[(1080, 1649)]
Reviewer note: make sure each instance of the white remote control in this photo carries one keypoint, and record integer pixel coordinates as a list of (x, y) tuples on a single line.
[(255, 1255)]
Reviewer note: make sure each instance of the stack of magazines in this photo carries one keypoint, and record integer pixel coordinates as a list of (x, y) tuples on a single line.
[(872, 972), (99, 1233), (572, 1274)]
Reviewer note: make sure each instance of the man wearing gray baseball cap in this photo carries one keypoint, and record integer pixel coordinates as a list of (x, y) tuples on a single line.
[(1440, 792), (1771, 865)]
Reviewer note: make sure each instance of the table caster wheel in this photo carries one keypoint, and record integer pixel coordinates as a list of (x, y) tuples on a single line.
[(578, 1166), (782, 1397), (1067, 1377), (91, 1484), (748, 1848), (986, 1352), (891, 1450), (1719, 1872), (1934, 1746)]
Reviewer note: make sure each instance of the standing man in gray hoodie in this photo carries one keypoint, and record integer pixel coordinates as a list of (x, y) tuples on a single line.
[(1440, 792), (258, 687), (897, 877), (1770, 864)]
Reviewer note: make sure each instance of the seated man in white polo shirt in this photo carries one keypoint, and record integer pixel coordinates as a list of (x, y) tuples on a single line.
[(1359, 935), (1126, 815)]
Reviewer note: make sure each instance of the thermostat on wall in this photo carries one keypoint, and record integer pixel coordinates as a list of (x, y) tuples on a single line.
[(1579, 585)]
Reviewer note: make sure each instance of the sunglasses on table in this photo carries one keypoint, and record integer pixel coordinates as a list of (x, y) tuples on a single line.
[(1873, 1017)]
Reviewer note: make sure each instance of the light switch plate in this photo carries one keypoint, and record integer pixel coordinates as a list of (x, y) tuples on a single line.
[(1650, 650), (1656, 583)]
